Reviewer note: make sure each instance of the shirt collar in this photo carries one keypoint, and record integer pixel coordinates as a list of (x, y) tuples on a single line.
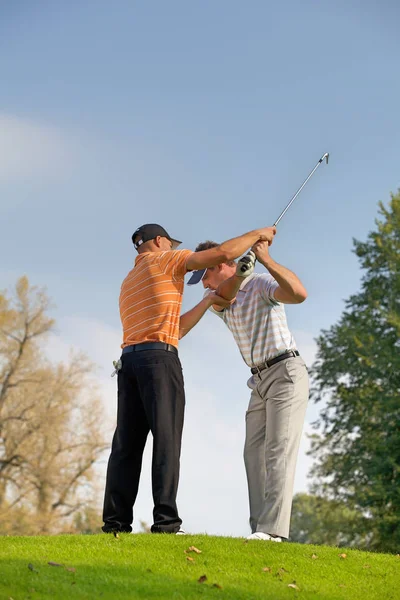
[(246, 281)]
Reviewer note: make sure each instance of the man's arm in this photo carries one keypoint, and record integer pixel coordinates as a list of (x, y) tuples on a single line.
[(229, 250), (193, 316), (230, 287), (290, 290)]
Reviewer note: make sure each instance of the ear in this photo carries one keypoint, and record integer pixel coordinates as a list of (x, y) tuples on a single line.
[(157, 241), (223, 266)]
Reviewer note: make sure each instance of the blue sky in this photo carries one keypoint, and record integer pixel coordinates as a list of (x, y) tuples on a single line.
[(204, 117)]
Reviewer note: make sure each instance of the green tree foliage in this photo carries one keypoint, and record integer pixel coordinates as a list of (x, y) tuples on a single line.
[(317, 520), (357, 373)]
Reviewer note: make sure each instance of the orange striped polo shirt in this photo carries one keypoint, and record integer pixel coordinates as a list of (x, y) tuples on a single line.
[(151, 298)]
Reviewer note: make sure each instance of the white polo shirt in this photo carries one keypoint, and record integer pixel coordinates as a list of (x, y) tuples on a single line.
[(258, 321)]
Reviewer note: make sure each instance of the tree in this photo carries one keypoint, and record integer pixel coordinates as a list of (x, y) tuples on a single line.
[(50, 417), (318, 520), (357, 372)]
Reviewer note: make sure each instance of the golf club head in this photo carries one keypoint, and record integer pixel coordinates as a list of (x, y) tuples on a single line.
[(326, 157)]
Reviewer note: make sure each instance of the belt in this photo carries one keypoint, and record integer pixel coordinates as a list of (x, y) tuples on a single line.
[(150, 346), (273, 361)]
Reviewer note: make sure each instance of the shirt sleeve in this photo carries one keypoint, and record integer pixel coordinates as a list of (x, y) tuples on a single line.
[(174, 263), (267, 287)]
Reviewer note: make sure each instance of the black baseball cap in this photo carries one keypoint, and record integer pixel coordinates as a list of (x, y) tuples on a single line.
[(147, 232)]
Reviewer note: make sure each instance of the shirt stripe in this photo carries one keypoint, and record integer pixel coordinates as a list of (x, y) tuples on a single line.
[(257, 321), (151, 297)]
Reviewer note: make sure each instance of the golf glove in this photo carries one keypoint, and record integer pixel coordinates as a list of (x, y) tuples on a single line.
[(245, 266), (117, 364)]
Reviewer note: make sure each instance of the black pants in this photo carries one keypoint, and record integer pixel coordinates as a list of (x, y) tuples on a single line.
[(151, 397)]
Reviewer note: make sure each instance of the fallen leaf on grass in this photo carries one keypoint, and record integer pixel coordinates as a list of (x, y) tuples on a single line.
[(54, 564), (193, 549), (217, 586), (366, 566), (280, 573), (342, 585), (70, 569), (202, 579), (267, 569), (314, 556), (342, 555), (293, 586), (190, 559)]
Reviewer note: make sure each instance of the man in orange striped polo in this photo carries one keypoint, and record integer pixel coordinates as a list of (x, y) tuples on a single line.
[(151, 393)]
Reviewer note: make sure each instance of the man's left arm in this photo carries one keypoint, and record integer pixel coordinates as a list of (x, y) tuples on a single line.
[(245, 267), (290, 290), (230, 287), (189, 319)]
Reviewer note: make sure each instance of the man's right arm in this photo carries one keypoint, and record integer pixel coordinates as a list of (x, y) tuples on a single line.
[(229, 250)]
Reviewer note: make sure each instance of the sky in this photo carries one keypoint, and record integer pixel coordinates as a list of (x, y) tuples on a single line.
[(204, 117)]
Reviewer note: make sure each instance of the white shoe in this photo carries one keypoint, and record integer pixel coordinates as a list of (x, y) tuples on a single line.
[(181, 532), (259, 535)]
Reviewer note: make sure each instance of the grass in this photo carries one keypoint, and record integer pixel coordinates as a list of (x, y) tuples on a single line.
[(157, 566)]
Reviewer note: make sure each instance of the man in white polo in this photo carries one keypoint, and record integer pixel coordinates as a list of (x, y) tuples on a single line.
[(279, 381)]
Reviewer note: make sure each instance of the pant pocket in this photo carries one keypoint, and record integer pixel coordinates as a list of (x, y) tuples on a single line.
[(295, 369)]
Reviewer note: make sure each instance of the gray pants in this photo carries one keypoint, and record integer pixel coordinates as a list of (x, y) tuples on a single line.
[(274, 424)]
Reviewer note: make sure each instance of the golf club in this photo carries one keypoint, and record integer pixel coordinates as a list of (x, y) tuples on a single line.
[(324, 157)]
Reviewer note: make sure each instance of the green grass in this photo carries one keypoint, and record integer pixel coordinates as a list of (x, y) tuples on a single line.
[(156, 566)]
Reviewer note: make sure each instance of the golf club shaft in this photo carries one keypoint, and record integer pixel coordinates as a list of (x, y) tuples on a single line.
[(324, 157)]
